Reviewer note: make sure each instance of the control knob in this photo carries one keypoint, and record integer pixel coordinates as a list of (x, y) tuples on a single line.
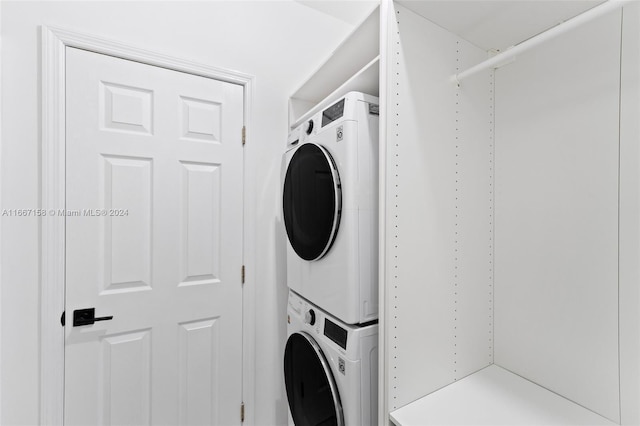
[(310, 317), (309, 127)]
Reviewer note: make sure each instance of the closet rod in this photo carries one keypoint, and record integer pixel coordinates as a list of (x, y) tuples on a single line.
[(510, 54)]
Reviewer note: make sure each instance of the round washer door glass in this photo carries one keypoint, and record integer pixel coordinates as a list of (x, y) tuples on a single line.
[(311, 391), (311, 201)]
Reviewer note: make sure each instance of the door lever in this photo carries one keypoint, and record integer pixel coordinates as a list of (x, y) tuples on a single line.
[(87, 317)]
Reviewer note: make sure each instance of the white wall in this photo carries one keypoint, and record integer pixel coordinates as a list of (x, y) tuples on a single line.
[(280, 43)]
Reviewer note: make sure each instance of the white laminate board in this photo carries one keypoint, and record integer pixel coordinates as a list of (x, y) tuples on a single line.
[(556, 252), (494, 397), (386, 19), (438, 211), (630, 218), (366, 80)]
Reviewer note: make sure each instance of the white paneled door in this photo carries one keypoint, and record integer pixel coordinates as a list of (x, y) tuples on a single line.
[(154, 169)]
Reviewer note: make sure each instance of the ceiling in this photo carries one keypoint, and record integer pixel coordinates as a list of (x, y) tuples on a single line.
[(491, 24), (352, 12)]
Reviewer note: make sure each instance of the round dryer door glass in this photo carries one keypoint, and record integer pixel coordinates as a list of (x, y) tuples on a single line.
[(311, 390), (311, 201)]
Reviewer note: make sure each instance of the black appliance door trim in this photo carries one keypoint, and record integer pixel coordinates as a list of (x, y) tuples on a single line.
[(292, 221), (326, 368)]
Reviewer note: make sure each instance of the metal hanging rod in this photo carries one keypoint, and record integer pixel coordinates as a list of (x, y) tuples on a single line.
[(510, 54)]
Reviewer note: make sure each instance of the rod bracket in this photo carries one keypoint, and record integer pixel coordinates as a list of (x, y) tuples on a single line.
[(454, 80)]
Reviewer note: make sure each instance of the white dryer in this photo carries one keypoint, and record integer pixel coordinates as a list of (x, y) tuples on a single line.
[(330, 207), (330, 368)]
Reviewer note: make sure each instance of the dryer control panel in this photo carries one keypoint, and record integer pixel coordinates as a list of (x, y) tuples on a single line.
[(332, 113)]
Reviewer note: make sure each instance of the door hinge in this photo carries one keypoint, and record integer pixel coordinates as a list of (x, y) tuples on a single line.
[(242, 412), (244, 135), (62, 318), (242, 275)]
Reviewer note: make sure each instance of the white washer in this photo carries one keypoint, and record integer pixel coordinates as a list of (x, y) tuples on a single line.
[(330, 204), (330, 368)]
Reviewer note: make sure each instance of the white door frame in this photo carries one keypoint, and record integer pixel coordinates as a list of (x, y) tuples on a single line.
[(52, 256)]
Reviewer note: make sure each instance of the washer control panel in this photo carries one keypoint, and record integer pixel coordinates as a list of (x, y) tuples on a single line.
[(316, 321), (307, 314)]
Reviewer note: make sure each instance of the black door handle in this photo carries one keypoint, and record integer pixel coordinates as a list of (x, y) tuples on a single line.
[(87, 317)]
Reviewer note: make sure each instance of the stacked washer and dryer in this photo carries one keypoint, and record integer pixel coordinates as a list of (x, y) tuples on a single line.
[(330, 202)]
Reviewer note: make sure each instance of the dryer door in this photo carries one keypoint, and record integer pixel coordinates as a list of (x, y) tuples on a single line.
[(311, 390), (312, 201)]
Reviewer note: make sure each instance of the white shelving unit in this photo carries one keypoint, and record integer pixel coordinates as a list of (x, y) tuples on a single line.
[(365, 80), (354, 65), (506, 223), (495, 397)]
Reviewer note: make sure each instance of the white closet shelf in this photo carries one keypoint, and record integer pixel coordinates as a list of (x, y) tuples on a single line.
[(495, 396), (349, 61), (366, 80)]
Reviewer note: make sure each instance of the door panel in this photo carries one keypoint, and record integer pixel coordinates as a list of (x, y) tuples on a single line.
[(126, 386), (161, 152), (200, 223), (199, 391), (126, 181)]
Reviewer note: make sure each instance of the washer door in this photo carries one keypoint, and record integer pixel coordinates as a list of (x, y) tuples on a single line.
[(311, 391), (312, 201)]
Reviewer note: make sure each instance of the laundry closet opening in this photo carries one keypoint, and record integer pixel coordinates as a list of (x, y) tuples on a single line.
[(506, 264)]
